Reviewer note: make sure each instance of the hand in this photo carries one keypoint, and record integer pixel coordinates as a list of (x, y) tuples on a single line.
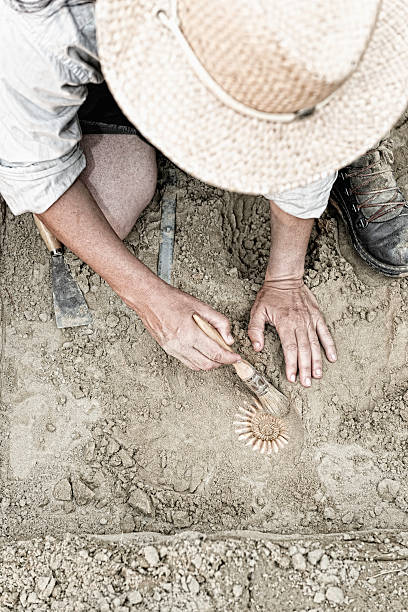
[(168, 318), (292, 309)]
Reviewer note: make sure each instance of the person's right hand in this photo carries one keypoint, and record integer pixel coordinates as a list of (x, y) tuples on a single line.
[(169, 318)]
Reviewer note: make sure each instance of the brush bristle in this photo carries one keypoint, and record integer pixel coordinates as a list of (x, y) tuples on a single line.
[(275, 402)]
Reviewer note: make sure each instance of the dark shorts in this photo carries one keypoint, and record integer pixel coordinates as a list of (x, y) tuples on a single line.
[(100, 114)]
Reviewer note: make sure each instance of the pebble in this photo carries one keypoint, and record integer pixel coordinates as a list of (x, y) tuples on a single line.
[(347, 518), (134, 597), (45, 586), (112, 320), (151, 555), (324, 562), (335, 595), (63, 490), (43, 317), (319, 597), (370, 316), (50, 427), (237, 590), (127, 524), (315, 555), (193, 586), (299, 562), (388, 489), (82, 494), (125, 458), (139, 500), (112, 447), (329, 513)]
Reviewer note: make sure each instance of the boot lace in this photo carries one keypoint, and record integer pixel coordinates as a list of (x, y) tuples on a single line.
[(385, 149)]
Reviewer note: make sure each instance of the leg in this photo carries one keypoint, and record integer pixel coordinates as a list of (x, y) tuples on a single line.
[(121, 175)]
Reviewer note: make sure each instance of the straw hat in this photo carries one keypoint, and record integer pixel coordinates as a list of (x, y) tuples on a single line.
[(257, 96)]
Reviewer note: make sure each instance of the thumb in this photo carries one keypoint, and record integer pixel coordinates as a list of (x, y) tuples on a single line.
[(220, 322), (256, 329)]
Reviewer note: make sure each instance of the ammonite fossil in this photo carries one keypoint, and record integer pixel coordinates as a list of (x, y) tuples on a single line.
[(260, 429)]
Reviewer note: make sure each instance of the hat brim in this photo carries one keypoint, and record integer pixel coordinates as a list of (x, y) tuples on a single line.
[(155, 86)]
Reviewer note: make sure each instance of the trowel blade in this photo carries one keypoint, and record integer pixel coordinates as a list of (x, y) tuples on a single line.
[(71, 310)]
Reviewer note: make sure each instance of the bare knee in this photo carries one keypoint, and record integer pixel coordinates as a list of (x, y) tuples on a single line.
[(137, 200), (121, 174)]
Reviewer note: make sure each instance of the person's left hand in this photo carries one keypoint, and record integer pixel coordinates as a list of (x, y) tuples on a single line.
[(295, 314)]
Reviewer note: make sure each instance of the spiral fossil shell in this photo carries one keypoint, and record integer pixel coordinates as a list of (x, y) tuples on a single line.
[(260, 429)]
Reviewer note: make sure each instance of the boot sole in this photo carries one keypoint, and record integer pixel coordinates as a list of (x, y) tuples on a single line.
[(379, 266)]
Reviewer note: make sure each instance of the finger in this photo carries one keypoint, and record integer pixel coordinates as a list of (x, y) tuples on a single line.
[(203, 362), (219, 321), (304, 357), (213, 351), (316, 353), (326, 340), (256, 328), (290, 350)]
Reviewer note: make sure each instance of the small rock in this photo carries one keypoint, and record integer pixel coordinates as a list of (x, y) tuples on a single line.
[(319, 597), (45, 586), (233, 272), (237, 590), (388, 489), (127, 524), (329, 513), (63, 490), (82, 494), (181, 518), (112, 447), (299, 562), (315, 555), (370, 316), (335, 595), (50, 427), (347, 518), (197, 560), (126, 459), (139, 500), (134, 598), (112, 320), (324, 563), (193, 586), (151, 555), (89, 450), (43, 317), (68, 507)]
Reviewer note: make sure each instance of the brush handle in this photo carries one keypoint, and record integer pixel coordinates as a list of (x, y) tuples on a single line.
[(242, 368), (211, 332), (51, 242)]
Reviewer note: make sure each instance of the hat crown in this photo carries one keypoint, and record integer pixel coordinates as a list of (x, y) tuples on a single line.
[(278, 57)]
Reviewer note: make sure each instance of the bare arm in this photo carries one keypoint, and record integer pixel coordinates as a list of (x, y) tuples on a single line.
[(285, 302), (165, 311)]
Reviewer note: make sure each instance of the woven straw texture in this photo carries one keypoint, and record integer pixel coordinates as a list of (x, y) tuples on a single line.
[(271, 55)]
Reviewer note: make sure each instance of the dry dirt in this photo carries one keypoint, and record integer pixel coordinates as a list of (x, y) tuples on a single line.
[(102, 433)]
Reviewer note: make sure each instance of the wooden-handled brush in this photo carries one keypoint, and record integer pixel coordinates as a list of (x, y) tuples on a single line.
[(271, 399)]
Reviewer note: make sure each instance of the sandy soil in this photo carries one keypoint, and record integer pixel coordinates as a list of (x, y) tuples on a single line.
[(102, 433), (206, 573)]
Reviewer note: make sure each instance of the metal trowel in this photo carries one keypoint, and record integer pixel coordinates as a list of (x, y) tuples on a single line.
[(70, 307)]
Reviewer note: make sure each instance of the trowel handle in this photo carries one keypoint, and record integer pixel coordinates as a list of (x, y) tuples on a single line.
[(51, 242), (211, 332)]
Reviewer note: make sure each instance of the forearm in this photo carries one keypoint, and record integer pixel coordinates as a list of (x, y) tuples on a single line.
[(289, 239), (79, 223)]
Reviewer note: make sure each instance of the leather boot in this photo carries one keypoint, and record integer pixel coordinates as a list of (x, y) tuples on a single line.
[(375, 210)]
